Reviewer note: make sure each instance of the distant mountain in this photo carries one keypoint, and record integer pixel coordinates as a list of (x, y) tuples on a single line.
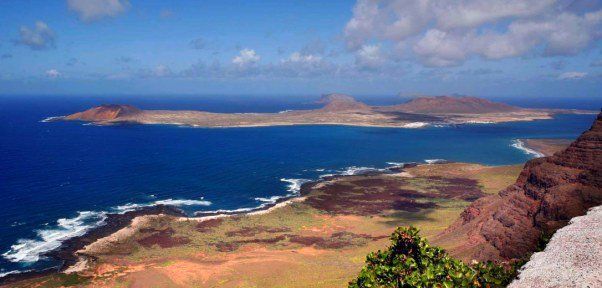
[(105, 113), (341, 102), (451, 105), (547, 194)]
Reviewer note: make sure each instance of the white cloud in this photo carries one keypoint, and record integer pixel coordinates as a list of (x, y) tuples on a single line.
[(39, 37), (93, 10), (53, 73), (369, 57), (297, 57), (447, 32), (246, 57), (573, 75)]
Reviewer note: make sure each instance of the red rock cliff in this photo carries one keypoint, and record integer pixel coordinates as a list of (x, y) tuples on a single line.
[(547, 194)]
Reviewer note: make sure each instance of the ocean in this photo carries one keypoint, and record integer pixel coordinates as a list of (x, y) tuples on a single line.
[(59, 179)]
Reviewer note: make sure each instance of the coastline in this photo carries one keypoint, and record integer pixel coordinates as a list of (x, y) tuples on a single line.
[(67, 253), (540, 147), (95, 252), (76, 252)]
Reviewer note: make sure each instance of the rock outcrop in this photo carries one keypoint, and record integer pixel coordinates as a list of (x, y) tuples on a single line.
[(452, 105), (573, 258), (105, 112), (547, 194)]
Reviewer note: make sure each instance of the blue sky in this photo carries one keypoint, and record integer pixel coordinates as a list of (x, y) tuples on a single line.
[(543, 48)]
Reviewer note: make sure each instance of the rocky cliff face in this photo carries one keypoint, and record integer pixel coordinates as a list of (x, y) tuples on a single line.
[(547, 194), (456, 105), (105, 113)]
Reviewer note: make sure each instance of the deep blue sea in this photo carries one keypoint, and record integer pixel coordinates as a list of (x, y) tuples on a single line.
[(57, 179)]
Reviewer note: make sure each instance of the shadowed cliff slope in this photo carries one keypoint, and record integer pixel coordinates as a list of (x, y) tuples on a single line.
[(547, 194)]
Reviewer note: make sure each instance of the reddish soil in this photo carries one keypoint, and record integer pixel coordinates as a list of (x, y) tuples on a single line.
[(105, 112), (208, 225), (370, 196), (448, 104), (337, 240), (163, 238)]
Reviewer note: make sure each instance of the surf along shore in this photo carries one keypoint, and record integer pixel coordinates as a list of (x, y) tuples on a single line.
[(319, 238), (324, 219)]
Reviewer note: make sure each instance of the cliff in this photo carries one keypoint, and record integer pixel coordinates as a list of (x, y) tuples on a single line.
[(547, 194), (452, 105)]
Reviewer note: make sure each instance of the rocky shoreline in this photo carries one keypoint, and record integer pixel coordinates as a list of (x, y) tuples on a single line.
[(68, 252), (73, 250)]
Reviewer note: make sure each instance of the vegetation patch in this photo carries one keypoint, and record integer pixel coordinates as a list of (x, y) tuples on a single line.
[(252, 231), (163, 238), (411, 262)]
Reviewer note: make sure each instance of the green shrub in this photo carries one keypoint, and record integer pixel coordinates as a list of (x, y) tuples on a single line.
[(411, 262)]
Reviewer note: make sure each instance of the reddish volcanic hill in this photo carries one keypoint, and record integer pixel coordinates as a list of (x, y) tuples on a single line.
[(451, 105), (547, 194), (104, 113), (341, 102)]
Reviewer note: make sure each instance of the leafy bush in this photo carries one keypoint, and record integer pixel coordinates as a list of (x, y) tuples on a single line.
[(411, 262)]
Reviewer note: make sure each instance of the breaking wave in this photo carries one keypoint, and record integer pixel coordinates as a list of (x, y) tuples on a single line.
[(435, 161), (30, 250), (520, 145), (50, 119), (46, 240), (167, 202)]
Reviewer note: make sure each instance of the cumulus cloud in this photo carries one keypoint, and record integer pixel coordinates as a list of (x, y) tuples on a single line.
[(573, 75), (246, 57), (447, 32), (93, 10), (52, 73), (369, 57), (39, 37)]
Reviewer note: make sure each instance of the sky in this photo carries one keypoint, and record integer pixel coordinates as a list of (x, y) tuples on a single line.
[(511, 48)]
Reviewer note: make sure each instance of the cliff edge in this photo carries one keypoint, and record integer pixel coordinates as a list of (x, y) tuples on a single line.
[(547, 194)]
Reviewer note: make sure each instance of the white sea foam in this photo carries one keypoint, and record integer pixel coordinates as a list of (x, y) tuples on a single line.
[(435, 161), (2, 273), (53, 118), (415, 125), (30, 250), (520, 145), (168, 202), (284, 111), (270, 200), (396, 164), (355, 170), (294, 185), (479, 122)]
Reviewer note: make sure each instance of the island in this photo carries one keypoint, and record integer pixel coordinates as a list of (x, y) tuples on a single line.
[(337, 109)]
